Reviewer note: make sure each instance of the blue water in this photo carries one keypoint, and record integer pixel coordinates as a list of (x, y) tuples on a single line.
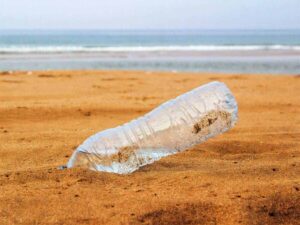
[(272, 51), (148, 38)]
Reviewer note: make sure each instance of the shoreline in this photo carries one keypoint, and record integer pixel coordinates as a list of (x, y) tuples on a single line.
[(268, 61), (139, 71), (295, 73)]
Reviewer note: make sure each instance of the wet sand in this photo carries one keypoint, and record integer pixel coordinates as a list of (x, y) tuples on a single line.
[(249, 175)]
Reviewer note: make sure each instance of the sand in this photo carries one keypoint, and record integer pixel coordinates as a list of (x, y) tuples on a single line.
[(249, 175)]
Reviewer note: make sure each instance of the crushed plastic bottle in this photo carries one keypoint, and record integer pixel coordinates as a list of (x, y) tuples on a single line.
[(174, 126)]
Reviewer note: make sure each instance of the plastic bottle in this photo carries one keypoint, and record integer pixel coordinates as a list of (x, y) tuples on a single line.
[(174, 126)]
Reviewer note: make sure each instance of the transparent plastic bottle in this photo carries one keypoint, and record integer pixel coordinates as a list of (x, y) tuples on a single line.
[(172, 127)]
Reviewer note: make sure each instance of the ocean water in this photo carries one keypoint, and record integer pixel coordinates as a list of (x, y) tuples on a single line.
[(232, 51)]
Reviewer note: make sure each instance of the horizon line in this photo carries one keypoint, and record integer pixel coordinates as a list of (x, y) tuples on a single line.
[(148, 29)]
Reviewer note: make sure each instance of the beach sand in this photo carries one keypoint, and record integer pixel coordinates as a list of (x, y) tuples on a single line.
[(249, 175)]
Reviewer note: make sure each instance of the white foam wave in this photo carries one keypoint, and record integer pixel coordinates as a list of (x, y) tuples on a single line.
[(74, 49)]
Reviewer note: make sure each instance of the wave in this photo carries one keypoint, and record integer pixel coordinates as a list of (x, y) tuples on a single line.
[(87, 49)]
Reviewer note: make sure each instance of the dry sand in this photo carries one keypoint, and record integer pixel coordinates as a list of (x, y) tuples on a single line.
[(249, 175)]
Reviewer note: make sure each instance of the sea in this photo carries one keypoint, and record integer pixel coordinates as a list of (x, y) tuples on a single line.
[(222, 51)]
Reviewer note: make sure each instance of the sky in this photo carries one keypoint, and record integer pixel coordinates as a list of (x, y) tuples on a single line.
[(152, 14)]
